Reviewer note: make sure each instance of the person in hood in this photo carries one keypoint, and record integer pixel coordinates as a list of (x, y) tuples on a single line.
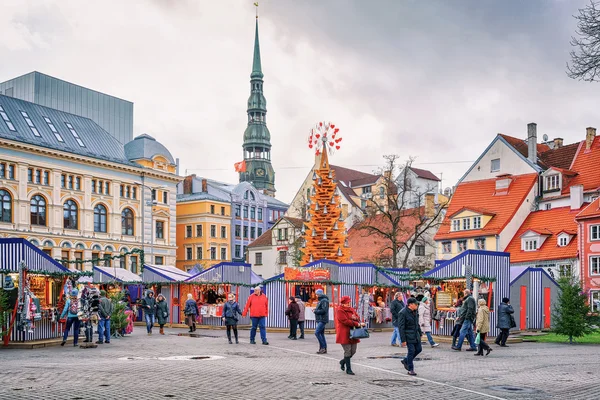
[(425, 320), (149, 307), (162, 312), (293, 313), (346, 318), (410, 333), (482, 325), (105, 310), (71, 311), (302, 316), (505, 311), (322, 319), (258, 304), (191, 312), (231, 310)]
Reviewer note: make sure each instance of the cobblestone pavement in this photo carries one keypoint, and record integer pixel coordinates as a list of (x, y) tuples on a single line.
[(134, 368)]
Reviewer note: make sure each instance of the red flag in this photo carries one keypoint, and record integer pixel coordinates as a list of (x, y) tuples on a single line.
[(240, 166)]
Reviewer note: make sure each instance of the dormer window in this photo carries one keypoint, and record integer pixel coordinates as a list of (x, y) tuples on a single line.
[(456, 225), (466, 223), (552, 183), (477, 223), (530, 244), (563, 241)]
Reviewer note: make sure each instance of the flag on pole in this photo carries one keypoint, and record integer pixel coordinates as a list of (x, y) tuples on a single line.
[(240, 166)]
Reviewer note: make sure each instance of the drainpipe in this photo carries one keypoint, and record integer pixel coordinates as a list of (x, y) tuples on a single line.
[(497, 242)]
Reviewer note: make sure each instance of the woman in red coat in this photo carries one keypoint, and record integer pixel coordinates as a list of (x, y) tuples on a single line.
[(346, 318)]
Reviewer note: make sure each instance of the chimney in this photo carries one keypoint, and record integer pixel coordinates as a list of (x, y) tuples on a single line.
[(204, 186), (503, 182), (532, 142), (558, 143), (188, 184), (576, 197), (590, 134)]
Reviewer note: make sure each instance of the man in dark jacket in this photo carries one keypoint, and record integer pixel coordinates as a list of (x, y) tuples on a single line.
[(105, 310), (395, 307), (293, 313), (322, 318), (505, 311), (149, 307), (410, 333), (467, 314)]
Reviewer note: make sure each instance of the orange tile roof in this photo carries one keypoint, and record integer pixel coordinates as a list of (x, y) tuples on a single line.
[(263, 240), (482, 195), (586, 164), (521, 145), (591, 211), (551, 223)]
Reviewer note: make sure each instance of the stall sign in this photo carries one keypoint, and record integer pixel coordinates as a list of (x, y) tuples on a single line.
[(282, 248), (443, 300), (307, 274)]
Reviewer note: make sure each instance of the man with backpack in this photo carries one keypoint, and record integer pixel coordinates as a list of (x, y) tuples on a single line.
[(71, 312)]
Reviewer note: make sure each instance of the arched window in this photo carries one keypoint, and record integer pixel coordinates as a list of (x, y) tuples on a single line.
[(99, 218), (70, 215), (246, 195), (38, 210), (5, 206), (127, 222), (252, 196)]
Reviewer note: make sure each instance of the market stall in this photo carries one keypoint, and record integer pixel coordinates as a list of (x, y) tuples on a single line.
[(210, 289), (167, 280), (115, 280), (33, 282), (532, 294), (485, 273)]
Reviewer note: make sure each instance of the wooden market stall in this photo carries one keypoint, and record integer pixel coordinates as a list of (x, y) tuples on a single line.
[(167, 280), (532, 294), (114, 279)]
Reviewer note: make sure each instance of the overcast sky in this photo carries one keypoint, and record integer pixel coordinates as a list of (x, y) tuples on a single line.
[(431, 79)]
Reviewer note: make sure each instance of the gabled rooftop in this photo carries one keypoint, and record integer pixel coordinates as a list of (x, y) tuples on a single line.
[(423, 173), (591, 211), (587, 166)]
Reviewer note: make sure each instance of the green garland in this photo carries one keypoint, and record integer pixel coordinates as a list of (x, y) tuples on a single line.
[(447, 278), (51, 274), (140, 252), (417, 277)]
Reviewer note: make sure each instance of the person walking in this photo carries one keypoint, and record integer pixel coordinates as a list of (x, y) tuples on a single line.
[(231, 309), (345, 319), (321, 312), (467, 314), (410, 333), (149, 307), (191, 312), (505, 311), (105, 310), (162, 313), (293, 313), (425, 320), (482, 325), (395, 307), (457, 324), (302, 316), (70, 312), (258, 305)]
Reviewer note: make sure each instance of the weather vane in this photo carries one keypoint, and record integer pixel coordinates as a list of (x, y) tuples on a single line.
[(324, 136), (256, 5)]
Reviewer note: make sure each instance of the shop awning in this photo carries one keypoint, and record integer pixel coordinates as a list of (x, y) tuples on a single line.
[(163, 273), (225, 272), (108, 274), (15, 250), (254, 278)]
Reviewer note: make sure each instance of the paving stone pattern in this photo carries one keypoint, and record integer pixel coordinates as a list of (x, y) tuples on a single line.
[(291, 370)]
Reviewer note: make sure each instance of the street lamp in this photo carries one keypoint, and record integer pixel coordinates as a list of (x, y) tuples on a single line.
[(144, 204)]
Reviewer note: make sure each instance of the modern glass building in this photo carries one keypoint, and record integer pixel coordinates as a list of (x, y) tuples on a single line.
[(114, 115)]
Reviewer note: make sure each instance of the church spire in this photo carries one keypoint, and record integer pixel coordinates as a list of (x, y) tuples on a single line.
[(256, 66)]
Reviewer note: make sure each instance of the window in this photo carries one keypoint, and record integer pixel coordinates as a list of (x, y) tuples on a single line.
[(283, 257), (245, 232), (100, 218), (381, 192), (93, 185), (595, 265), (252, 233), (363, 204), (77, 183), (212, 209), (11, 171), (199, 254), (446, 247), (106, 186), (188, 231), (30, 175), (246, 195), (461, 245), (133, 262), (238, 251), (495, 165), (222, 210), (595, 300), (38, 176), (127, 222), (188, 253), (5, 206), (53, 129), (480, 244), (198, 231), (154, 194), (2, 170), (30, 124), (213, 231), (548, 206), (38, 210), (134, 192), (223, 253), (466, 223), (258, 259), (237, 210), (46, 178), (282, 234), (245, 211), (213, 253), (159, 260), (595, 232), (252, 212), (165, 197), (476, 222), (70, 181), (238, 231), (419, 250), (7, 120), (122, 191), (565, 271), (366, 189), (531, 244), (260, 232), (456, 224), (160, 229), (563, 241), (552, 182), (70, 215), (223, 232), (75, 135), (260, 214)]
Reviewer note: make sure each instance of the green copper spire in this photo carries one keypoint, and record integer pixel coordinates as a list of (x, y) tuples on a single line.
[(256, 66)]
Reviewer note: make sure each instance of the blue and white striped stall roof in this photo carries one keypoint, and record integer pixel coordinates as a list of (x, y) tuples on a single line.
[(225, 272), (107, 274), (15, 250), (163, 273)]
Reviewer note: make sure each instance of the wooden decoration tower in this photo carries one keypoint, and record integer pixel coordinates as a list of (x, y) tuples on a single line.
[(324, 232)]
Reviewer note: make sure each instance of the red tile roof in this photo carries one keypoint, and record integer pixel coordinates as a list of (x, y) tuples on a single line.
[(561, 157), (423, 173), (476, 209), (591, 211), (587, 166), (482, 195), (348, 175), (521, 145), (297, 222), (263, 240), (551, 223), (367, 246)]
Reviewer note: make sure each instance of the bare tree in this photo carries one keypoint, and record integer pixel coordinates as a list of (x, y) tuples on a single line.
[(401, 218), (585, 58)]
